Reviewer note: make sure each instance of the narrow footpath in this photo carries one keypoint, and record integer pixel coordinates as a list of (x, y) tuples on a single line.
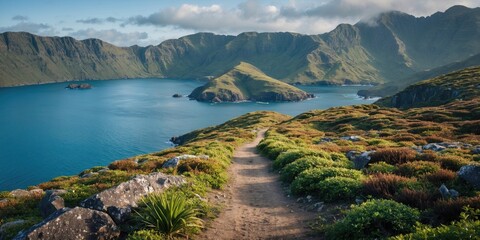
[(256, 204)]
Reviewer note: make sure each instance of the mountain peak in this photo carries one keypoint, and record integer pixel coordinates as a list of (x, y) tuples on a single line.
[(457, 9)]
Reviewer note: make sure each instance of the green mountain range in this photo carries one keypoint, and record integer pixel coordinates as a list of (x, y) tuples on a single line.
[(388, 48), (246, 82)]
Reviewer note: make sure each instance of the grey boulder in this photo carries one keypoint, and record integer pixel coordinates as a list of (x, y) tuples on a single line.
[(434, 147), (448, 193), (51, 202), (118, 201), (471, 174), (352, 138), (173, 162), (476, 150), (362, 160), (76, 223), (351, 155)]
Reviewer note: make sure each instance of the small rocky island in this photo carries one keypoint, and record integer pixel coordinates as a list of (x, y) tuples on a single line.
[(245, 82), (177, 95), (79, 86)]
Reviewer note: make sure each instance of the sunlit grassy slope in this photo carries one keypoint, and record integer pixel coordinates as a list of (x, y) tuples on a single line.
[(463, 84), (246, 82)]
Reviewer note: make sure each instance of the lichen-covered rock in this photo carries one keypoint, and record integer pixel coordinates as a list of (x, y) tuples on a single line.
[(471, 174), (476, 150), (21, 193), (362, 160), (76, 223), (434, 147), (18, 193), (351, 155), (118, 201), (79, 86), (448, 193), (51, 202), (352, 138), (173, 162)]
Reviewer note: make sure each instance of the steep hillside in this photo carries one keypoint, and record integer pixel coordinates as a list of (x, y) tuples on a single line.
[(392, 87), (29, 59), (246, 82), (463, 84), (388, 48)]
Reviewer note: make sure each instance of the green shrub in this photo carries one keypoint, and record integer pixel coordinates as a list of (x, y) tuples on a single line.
[(291, 170), (272, 148), (168, 213), (378, 142), (467, 228), (307, 181), (146, 235), (452, 162), (338, 188), (457, 230), (416, 168), (375, 219), (381, 167), (292, 155), (340, 160)]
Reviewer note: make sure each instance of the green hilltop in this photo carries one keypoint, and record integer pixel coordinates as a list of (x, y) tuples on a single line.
[(246, 82), (388, 48)]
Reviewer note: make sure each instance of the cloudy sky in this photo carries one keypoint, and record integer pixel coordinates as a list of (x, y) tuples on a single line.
[(145, 22)]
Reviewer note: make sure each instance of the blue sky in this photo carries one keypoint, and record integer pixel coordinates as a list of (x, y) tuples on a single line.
[(146, 22)]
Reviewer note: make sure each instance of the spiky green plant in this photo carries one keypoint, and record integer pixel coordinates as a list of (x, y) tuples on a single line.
[(168, 213)]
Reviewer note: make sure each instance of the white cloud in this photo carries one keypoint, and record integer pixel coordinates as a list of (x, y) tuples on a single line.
[(112, 36), (35, 28), (311, 17), (20, 18), (98, 20), (247, 16)]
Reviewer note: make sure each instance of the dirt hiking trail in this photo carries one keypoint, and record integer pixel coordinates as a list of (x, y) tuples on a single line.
[(256, 205)]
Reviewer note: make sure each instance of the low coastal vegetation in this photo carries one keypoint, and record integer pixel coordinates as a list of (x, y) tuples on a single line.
[(377, 172), (398, 169), (218, 143)]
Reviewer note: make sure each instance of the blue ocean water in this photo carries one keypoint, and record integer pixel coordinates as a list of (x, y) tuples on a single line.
[(48, 131)]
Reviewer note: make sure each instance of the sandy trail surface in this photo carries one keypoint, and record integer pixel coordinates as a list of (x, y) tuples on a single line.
[(256, 204)]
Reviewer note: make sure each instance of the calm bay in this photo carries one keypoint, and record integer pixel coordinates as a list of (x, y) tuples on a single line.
[(48, 131)]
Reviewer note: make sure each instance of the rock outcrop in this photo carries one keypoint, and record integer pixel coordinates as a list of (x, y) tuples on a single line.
[(51, 202), (118, 201), (362, 160), (471, 174), (79, 86), (173, 162), (76, 223)]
